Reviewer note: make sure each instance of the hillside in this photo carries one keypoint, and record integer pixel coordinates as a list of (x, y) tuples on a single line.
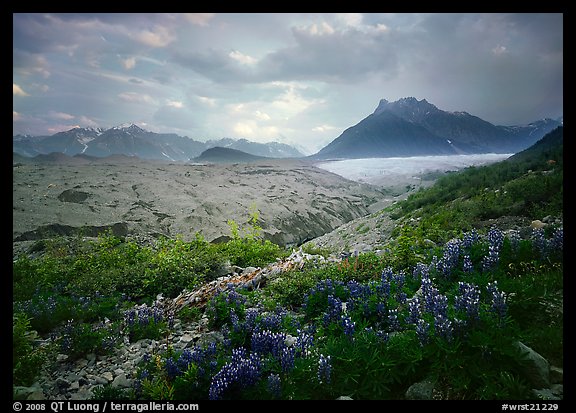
[(226, 155), (463, 301), (525, 187)]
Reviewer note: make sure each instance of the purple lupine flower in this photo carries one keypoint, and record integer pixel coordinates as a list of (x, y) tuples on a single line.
[(274, 385), (401, 297), (304, 341), (469, 239), (266, 341), (383, 289), (450, 258), (491, 260), (271, 322), (498, 300), (420, 271), (172, 370), (324, 369), (250, 318), (557, 241), (399, 279), (349, 326), (334, 309), (422, 331), (443, 326), (243, 370), (539, 241), (393, 321), (413, 311), (235, 321), (495, 238), (287, 358), (514, 237), (468, 300), (467, 266), (387, 274)]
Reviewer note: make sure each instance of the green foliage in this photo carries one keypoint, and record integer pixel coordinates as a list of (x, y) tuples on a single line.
[(312, 249), (108, 392), (223, 306), (79, 339), (25, 357), (247, 248), (94, 283)]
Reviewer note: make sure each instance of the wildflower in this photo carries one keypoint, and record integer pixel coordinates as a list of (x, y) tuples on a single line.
[(468, 300), (172, 369), (287, 358), (324, 369), (274, 385), (422, 331), (349, 326), (467, 264), (498, 300), (393, 321), (443, 326), (413, 311), (469, 239)]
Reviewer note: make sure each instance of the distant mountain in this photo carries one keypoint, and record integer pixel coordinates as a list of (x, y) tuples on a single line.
[(550, 147), (131, 140), (227, 155), (270, 149), (411, 127)]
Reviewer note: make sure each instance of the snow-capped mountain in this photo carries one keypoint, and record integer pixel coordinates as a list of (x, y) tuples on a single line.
[(132, 140)]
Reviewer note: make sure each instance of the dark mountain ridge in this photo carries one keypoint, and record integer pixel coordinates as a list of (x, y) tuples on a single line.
[(411, 127)]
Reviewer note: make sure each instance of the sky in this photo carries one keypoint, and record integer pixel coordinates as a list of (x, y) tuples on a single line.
[(300, 79)]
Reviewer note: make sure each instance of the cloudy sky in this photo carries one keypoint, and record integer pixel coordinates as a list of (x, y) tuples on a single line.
[(300, 79)]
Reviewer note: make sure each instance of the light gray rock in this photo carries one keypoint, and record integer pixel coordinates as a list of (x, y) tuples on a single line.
[(121, 381), (420, 391), (536, 368)]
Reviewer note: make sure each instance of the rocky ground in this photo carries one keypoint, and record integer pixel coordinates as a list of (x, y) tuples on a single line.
[(296, 200)]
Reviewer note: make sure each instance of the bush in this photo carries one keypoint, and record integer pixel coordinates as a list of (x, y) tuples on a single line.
[(25, 357)]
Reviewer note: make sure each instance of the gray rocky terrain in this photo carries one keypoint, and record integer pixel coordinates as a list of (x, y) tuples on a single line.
[(296, 200)]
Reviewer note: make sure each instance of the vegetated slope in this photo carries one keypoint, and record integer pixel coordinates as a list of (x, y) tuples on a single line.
[(522, 188), (455, 320), (528, 184)]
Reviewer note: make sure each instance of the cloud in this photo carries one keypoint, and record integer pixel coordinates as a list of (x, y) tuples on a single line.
[(134, 97), (332, 55), (60, 115), (217, 65), (242, 58), (324, 128), (15, 116), (17, 90), (199, 19), (175, 104), (128, 63), (158, 36)]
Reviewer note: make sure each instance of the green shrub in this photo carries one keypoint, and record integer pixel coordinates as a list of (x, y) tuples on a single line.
[(26, 358)]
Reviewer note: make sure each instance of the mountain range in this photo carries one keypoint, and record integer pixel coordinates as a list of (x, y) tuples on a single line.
[(411, 127), (406, 127), (131, 140)]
